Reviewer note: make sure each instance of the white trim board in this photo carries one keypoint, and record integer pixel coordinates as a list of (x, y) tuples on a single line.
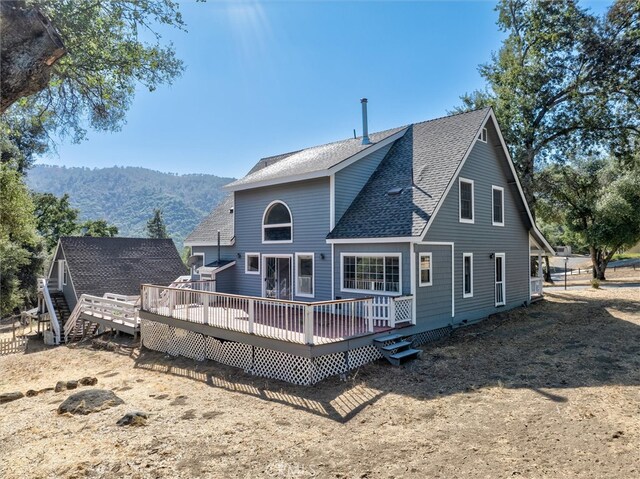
[(399, 239), (321, 173)]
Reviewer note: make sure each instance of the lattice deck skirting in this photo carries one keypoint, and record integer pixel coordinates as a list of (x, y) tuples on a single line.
[(261, 361)]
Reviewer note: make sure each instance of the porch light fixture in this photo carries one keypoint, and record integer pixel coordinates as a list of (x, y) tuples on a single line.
[(321, 255), (239, 255), (491, 255)]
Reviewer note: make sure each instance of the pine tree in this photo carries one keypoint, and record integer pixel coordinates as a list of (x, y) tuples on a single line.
[(156, 227)]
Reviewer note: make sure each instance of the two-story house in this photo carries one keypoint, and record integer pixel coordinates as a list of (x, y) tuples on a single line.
[(426, 223)]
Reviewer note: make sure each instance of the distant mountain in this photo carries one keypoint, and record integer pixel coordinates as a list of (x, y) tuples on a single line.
[(126, 196)]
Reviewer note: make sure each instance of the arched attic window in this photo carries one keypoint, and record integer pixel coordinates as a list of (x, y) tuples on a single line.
[(277, 224)]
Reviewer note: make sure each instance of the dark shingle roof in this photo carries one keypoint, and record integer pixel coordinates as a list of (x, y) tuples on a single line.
[(120, 265), (430, 152), (310, 160), (220, 219)]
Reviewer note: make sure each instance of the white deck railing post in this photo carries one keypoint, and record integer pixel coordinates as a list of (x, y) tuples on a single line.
[(205, 306), (308, 324), (392, 313), (370, 315), (251, 315)]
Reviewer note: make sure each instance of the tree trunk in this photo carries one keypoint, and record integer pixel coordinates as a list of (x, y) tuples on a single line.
[(30, 45)]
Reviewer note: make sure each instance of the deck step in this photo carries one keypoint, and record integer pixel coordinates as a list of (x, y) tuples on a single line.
[(390, 337), (398, 345), (406, 353)]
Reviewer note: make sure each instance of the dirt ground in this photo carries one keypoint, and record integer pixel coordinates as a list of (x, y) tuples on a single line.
[(617, 276), (551, 390)]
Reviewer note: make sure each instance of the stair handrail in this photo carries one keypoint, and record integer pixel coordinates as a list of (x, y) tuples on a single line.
[(91, 303), (55, 326)]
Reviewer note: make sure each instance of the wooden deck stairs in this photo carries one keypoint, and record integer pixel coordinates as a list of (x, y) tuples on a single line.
[(396, 348)]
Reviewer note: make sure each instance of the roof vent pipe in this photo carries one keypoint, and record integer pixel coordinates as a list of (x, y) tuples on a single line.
[(365, 127)]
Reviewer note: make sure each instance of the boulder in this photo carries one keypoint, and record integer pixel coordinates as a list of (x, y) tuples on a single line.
[(60, 386), (8, 397), (91, 400), (135, 418), (72, 384), (32, 392)]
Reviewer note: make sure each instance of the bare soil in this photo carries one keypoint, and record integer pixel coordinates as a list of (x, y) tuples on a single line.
[(551, 390)]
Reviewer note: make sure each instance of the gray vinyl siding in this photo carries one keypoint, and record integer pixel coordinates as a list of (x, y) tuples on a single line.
[(364, 248), (309, 205), (486, 167), (225, 280), (433, 303), (350, 180)]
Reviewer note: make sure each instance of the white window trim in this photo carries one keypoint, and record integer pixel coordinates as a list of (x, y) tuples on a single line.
[(368, 291), (62, 264), (504, 279), (430, 282), (263, 265), (482, 136), (194, 270), (473, 201), (278, 225), (501, 189), (246, 263), (313, 275), (468, 255)]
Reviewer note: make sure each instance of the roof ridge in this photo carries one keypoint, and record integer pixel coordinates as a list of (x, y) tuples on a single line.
[(452, 115)]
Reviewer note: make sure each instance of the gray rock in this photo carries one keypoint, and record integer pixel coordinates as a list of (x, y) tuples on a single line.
[(8, 397), (135, 418), (60, 386), (32, 392), (72, 384), (88, 381), (91, 400)]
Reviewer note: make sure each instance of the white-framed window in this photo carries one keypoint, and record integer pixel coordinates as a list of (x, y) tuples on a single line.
[(305, 274), (277, 223), (497, 206), (380, 273), (199, 261), (426, 269), (252, 263), (466, 200), (482, 136), (501, 290), (64, 273), (467, 275)]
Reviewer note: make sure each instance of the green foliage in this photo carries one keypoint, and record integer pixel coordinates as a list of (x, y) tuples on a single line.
[(20, 249), (155, 226), (595, 201), (595, 283), (564, 78), (54, 217), (97, 229), (126, 197), (112, 47)]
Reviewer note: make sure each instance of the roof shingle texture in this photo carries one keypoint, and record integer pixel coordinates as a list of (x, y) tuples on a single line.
[(429, 153), (311, 160), (220, 219), (120, 265)]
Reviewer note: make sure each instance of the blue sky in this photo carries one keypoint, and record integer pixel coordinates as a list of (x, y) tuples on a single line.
[(264, 78)]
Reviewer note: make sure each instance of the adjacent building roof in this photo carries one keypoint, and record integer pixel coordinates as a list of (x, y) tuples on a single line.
[(120, 265), (421, 165), (220, 219), (315, 160)]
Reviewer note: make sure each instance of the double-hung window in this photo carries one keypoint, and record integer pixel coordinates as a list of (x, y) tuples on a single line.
[(466, 201), (426, 278), (467, 275), (371, 273), (304, 275), (497, 202)]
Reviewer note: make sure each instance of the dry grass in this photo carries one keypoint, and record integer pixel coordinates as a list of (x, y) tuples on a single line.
[(619, 276), (546, 391)]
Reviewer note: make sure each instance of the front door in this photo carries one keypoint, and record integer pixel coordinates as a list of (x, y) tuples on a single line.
[(277, 277)]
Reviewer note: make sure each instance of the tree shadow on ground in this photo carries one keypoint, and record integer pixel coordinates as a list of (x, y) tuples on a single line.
[(568, 341)]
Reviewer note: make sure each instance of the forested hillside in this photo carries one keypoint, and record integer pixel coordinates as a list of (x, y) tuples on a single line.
[(127, 196)]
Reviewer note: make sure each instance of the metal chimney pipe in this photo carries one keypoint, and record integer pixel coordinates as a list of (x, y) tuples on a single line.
[(218, 248), (365, 126)]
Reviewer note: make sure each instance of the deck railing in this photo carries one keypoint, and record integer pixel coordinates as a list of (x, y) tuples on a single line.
[(536, 286), (293, 321), (53, 322), (124, 312)]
